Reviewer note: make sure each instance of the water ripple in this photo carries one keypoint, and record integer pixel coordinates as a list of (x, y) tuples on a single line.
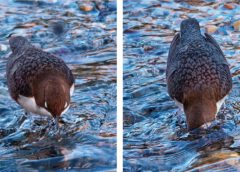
[(83, 34), (155, 134)]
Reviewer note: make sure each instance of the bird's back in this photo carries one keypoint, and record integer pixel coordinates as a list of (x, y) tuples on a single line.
[(25, 67), (197, 63)]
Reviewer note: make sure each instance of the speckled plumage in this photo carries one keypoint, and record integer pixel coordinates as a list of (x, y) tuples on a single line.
[(28, 66), (196, 66)]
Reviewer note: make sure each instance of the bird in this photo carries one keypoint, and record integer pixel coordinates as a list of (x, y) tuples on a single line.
[(37, 80), (198, 75)]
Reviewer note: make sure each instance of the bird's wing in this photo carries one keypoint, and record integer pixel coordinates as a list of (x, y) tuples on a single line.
[(171, 64), (53, 63), (223, 68), (211, 40), (173, 45)]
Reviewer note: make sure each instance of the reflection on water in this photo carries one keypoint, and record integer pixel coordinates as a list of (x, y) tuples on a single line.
[(155, 135), (83, 34)]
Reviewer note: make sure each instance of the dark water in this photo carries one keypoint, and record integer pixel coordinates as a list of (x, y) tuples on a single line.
[(155, 137), (83, 33)]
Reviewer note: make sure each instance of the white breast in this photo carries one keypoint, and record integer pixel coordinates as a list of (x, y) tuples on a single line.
[(220, 102), (180, 105), (29, 104), (65, 110), (72, 90)]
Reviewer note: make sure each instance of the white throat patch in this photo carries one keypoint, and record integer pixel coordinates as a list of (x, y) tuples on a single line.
[(220, 103), (29, 104), (180, 105)]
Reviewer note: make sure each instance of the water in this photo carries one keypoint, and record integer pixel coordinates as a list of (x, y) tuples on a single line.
[(83, 34), (155, 137)]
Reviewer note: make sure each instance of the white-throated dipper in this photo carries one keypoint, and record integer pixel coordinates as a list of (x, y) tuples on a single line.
[(39, 81), (198, 75)]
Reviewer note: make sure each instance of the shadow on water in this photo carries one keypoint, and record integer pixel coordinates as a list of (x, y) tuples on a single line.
[(83, 34), (155, 134)]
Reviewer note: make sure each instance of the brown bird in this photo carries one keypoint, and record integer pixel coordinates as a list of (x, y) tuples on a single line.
[(198, 75), (39, 81)]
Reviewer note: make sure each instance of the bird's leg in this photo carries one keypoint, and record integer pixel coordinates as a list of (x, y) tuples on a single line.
[(179, 117), (49, 121), (49, 125), (222, 111), (28, 116), (22, 118)]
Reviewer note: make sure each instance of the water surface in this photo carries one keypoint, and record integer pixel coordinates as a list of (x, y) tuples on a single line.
[(83, 34), (155, 136)]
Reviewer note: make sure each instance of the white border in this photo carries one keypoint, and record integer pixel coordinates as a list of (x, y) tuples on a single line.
[(119, 85)]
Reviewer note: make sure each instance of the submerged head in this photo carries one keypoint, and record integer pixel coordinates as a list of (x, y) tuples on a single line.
[(199, 110), (53, 94), (190, 26), (17, 43), (57, 97)]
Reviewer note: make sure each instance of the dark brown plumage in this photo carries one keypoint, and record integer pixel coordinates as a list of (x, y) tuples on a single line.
[(198, 74), (38, 80)]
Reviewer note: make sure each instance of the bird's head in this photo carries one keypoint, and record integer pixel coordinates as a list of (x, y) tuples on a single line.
[(17, 43), (190, 27)]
